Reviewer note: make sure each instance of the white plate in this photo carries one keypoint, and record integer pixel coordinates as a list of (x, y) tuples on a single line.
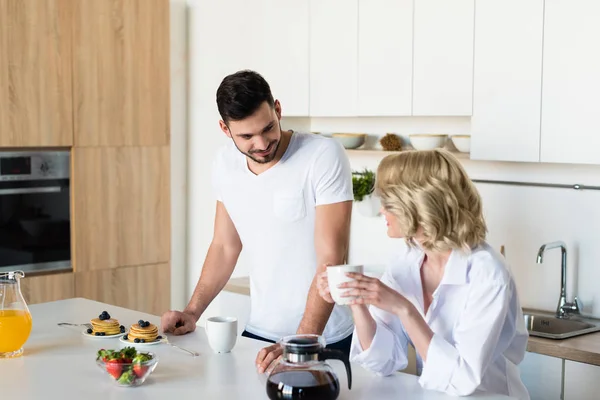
[(157, 341), (84, 333)]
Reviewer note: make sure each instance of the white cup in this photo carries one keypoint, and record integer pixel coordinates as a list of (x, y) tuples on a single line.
[(221, 333), (336, 274)]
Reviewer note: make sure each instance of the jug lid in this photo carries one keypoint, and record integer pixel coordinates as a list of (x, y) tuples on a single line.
[(11, 276), (303, 344)]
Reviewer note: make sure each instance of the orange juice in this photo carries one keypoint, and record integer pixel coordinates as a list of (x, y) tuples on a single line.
[(15, 327)]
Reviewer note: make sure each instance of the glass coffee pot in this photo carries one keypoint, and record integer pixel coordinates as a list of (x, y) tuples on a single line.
[(302, 372), (15, 319)]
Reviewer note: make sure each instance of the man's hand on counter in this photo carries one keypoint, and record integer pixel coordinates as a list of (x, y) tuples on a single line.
[(177, 322)]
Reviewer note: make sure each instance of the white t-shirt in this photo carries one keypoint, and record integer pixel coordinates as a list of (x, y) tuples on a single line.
[(274, 214)]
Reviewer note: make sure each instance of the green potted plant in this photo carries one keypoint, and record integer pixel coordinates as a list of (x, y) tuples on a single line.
[(363, 184)]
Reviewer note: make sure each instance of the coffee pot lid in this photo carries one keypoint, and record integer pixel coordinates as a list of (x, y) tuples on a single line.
[(303, 344)]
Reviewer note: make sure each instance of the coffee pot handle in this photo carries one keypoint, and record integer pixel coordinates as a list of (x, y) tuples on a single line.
[(330, 354)]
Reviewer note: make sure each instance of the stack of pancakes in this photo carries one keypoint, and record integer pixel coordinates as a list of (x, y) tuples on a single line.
[(146, 334), (109, 326)]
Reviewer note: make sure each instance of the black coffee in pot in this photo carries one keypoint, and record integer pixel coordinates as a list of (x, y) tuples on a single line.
[(296, 385)]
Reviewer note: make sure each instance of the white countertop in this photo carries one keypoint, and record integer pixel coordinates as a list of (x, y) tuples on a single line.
[(61, 361)]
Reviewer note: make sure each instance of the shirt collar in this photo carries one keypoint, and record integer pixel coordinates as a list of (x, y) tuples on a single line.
[(455, 272)]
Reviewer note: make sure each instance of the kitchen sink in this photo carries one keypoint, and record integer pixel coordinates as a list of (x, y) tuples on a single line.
[(547, 325)]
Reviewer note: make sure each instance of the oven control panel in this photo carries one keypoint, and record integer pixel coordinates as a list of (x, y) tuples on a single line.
[(26, 166)]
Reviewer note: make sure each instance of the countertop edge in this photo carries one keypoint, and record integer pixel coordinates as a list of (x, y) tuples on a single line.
[(572, 349), (239, 285)]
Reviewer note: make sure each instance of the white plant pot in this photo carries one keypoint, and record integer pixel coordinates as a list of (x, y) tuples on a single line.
[(369, 206)]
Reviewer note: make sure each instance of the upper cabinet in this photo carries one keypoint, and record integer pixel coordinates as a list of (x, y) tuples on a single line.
[(285, 62), (571, 82), (385, 62), (120, 72), (443, 57), (35, 73), (333, 58), (507, 80), (268, 36)]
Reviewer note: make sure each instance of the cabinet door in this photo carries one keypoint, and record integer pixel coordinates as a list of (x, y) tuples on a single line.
[(333, 58), (121, 72), (44, 288), (385, 57), (581, 381), (541, 376), (144, 288), (571, 82), (443, 57), (285, 58), (507, 80), (35, 73), (268, 36), (121, 211)]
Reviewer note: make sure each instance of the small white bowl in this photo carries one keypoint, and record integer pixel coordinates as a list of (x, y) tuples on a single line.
[(427, 142), (350, 140), (462, 143)]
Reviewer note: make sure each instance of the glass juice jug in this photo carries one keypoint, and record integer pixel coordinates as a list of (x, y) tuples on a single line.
[(302, 372), (15, 319)]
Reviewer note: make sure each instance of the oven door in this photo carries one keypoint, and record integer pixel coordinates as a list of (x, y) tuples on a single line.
[(35, 225)]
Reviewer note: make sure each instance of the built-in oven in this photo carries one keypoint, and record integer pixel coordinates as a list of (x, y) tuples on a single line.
[(35, 222)]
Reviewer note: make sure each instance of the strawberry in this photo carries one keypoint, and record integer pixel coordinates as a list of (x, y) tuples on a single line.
[(114, 367), (138, 368)]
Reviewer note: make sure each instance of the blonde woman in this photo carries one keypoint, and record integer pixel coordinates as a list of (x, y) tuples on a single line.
[(447, 292)]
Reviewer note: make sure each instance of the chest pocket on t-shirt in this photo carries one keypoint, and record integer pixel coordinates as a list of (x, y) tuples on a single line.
[(289, 205)]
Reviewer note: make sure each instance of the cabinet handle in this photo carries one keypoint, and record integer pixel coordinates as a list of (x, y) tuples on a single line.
[(48, 189)]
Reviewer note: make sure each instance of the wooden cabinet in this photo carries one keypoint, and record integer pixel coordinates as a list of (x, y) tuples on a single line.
[(571, 82), (541, 376), (121, 72), (44, 288), (385, 46), (333, 58), (507, 80), (145, 288), (35, 73), (443, 57), (121, 207)]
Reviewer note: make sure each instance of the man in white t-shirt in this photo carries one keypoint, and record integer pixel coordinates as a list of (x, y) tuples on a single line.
[(286, 198)]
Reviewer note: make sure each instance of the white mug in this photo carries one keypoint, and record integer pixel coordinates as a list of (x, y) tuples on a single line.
[(336, 274), (221, 333)]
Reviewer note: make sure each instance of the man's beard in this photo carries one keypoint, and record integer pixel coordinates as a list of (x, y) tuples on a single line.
[(270, 157)]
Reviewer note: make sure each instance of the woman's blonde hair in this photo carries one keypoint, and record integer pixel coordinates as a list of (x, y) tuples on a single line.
[(431, 190)]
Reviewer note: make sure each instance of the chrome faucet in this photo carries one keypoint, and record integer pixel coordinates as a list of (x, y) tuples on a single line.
[(564, 308)]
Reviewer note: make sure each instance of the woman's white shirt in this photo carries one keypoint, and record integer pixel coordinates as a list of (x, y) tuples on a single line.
[(479, 334)]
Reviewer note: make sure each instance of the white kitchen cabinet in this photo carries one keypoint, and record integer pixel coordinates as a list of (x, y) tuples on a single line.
[(333, 58), (507, 80), (571, 82), (285, 52), (385, 57), (268, 36), (582, 381), (541, 375), (443, 57)]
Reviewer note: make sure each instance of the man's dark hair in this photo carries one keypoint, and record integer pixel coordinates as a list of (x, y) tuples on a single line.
[(240, 94)]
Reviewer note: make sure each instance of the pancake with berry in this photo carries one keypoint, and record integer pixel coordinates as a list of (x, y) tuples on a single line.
[(104, 325), (142, 332)]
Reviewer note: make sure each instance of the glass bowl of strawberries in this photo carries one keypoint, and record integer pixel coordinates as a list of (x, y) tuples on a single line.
[(126, 366)]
